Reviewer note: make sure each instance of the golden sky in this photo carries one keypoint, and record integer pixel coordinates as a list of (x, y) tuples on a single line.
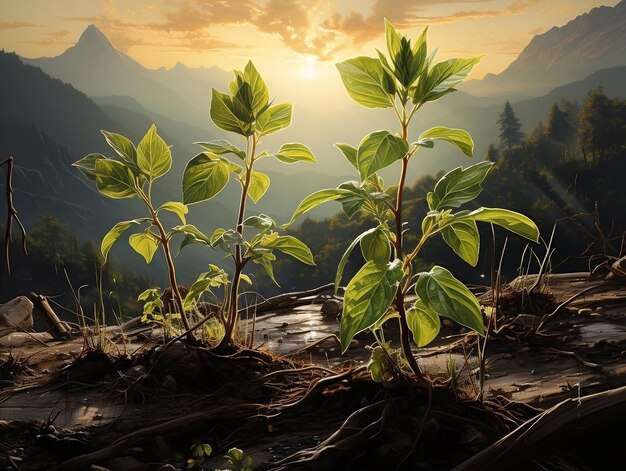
[(300, 38)]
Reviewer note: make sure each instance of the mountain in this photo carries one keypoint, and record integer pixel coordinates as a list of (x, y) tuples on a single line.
[(46, 125), (590, 42), (96, 68)]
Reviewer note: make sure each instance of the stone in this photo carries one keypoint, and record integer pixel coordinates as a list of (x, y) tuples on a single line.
[(168, 467), (16, 315), (137, 372), (159, 449), (585, 311), (332, 308)]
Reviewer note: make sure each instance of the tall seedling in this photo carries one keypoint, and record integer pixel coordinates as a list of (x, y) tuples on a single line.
[(405, 80), (246, 111), (131, 174)]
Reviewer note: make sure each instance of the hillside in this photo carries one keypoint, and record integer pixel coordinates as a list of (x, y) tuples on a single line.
[(590, 42)]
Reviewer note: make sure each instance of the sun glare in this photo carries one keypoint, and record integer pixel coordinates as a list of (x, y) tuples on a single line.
[(309, 70)]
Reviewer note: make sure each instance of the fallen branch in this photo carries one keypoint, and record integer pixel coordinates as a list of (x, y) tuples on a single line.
[(556, 426)]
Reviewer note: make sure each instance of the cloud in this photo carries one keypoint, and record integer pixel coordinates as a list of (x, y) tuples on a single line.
[(15, 25), (53, 37), (406, 13)]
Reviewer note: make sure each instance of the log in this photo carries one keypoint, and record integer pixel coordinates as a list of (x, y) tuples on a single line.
[(288, 300), (556, 426), (57, 328)]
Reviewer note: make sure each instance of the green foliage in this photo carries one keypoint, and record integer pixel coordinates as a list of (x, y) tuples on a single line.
[(246, 110), (199, 454), (237, 460), (405, 81), (131, 174)]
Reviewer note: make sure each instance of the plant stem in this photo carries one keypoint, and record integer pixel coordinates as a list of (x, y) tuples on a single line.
[(404, 328), (165, 243), (233, 302)]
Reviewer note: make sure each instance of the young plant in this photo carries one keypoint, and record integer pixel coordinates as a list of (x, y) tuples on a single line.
[(131, 174), (405, 81), (248, 112)]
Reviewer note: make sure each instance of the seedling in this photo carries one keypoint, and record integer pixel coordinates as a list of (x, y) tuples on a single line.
[(404, 81)]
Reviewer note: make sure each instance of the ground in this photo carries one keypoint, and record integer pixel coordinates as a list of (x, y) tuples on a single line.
[(554, 371)]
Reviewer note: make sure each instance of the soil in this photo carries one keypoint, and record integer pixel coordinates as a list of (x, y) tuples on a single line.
[(553, 396)]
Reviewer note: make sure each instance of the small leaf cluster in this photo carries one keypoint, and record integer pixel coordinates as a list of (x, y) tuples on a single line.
[(129, 174)]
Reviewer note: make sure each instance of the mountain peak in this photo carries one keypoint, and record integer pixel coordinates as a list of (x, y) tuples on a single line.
[(93, 37)]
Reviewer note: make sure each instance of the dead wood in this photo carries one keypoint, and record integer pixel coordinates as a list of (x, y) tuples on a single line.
[(289, 300), (58, 329), (554, 427)]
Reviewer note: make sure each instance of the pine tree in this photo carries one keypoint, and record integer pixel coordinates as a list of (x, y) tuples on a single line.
[(510, 134), (558, 127)]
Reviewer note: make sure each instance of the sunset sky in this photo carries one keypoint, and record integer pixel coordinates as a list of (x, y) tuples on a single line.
[(300, 37)]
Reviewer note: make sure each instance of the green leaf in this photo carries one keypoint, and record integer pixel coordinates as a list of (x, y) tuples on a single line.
[(223, 114), (191, 230), (316, 199), (463, 237), (444, 294), (154, 157), (375, 245), (144, 244), (114, 179), (87, 165), (363, 78), (204, 282), (394, 43), (294, 152), (289, 245), (259, 183), (265, 259), (423, 322), (458, 137), (177, 208), (260, 95), (458, 186), (368, 296), (511, 220), (221, 147), (274, 119), (379, 150), (123, 146), (204, 177), (262, 221), (346, 256), (442, 78), (349, 153), (116, 231)]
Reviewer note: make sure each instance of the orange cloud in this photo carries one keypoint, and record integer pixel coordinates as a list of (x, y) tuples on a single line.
[(15, 25), (53, 37), (405, 13)]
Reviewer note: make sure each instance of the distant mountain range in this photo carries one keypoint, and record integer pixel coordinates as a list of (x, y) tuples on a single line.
[(590, 42)]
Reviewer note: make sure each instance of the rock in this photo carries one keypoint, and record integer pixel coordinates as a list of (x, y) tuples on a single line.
[(126, 463), (585, 311), (332, 308), (15, 315)]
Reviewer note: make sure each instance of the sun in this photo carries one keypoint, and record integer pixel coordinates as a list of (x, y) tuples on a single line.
[(309, 70)]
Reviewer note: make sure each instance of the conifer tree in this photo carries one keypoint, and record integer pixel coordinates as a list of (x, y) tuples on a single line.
[(510, 129)]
